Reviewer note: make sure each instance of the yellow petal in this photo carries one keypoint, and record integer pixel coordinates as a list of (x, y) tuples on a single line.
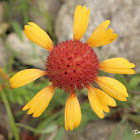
[(117, 65), (105, 107), (72, 112), (40, 101), (38, 36), (113, 87), (25, 76), (102, 27), (101, 36), (80, 23), (95, 102), (119, 71), (105, 98)]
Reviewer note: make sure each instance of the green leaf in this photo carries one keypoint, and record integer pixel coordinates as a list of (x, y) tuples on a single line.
[(50, 128), (60, 120), (134, 118), (134, 82), (48, 120), (122, 79), (127, 133), (17, 28), (87, 114), (10, 115), (113, 135), (123, 104), (60, 134)]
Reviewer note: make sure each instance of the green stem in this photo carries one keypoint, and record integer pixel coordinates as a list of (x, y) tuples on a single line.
[(30, 128), (12, 121)]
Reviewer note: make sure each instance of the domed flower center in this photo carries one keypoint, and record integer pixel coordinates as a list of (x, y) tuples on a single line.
[(72, 65)]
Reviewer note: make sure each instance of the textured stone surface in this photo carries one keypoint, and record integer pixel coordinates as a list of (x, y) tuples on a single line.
[(125, 21), (51, 8), (27, 52), (4, 56)]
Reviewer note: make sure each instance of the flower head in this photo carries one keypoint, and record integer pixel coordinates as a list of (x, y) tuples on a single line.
[(74, 65)]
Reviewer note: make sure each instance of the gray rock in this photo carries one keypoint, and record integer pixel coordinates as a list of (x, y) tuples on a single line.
[(51, 8), (125, 21), (4, 55), (27, 52)]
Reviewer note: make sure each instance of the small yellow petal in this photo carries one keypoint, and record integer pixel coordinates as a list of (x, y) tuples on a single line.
[(95, 103), (117, 65), (113, 87), (72, 112), (105, 98), (25, 76), (101, 95), (66, 123), (40, 101), (107, 40), (109, 31), (101, 36), (38, 36), (80, 23), (102, 27), (104, 106), (119, 71)]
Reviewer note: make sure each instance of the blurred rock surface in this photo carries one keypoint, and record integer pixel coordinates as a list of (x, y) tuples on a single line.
[(95, 130), (5, 127), (26, 51), (51, 7), (125, 21), (4, 55)]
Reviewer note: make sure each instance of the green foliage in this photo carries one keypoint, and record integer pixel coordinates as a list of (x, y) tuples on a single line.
[(24, 94), (44, 14), (53, 117), (17, 28), (52, 120), (19, 15), (11, 118), (87, 114), (133, 105), (122, 79), (126, 133), (60, 134), (134, 83), (18, 9)]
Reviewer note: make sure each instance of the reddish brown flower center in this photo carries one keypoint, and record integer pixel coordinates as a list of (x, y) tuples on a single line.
[(72, 65)]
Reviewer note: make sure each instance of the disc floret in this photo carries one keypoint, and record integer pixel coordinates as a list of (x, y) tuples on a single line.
[(72, 65)]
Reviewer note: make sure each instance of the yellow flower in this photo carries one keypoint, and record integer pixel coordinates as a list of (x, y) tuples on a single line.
[(74, 65)]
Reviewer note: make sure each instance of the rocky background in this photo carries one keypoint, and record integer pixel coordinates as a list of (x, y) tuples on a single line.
[(125, 21), (56, 17)]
